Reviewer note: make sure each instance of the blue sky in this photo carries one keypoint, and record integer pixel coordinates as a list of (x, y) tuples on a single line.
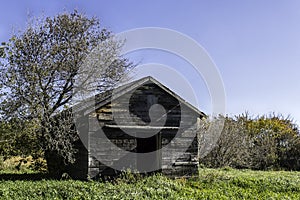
[(255, 44)]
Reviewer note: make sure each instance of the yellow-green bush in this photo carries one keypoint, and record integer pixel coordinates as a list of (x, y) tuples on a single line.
[(23, 164)]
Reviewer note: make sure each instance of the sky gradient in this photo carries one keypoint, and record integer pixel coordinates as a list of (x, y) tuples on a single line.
[(254, 44)]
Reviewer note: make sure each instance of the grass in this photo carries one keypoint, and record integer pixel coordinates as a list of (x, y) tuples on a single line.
[(211, 184)]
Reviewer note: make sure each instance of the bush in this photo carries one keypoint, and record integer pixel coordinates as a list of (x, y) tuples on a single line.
[(23, 164), (265, 142), (232, 148), (18, 138)]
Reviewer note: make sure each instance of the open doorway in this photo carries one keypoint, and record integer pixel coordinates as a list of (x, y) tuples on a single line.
[(146, 145)]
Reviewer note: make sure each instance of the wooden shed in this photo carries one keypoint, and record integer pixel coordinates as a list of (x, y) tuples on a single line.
[(119, 121)]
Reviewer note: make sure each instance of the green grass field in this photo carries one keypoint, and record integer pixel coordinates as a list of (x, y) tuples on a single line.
[(211, 184)]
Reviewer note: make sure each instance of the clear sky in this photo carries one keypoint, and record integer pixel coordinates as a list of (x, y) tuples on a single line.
[(255, 44)]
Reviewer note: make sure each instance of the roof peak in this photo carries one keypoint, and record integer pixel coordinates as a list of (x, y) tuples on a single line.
[(105, 97)]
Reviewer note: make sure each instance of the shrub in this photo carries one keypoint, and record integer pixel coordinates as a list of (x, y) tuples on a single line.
[(265, 142), (23, 164), (232, 148)]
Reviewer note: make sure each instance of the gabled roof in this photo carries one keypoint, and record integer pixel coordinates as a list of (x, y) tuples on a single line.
[(92, 103)]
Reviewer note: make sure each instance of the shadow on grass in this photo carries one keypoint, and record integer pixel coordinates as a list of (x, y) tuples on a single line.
[(25, 176)]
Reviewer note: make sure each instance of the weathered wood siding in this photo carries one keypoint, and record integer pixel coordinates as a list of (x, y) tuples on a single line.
[(179, 118)]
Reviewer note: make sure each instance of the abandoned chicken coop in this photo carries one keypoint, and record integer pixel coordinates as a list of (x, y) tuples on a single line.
[(142, 126)]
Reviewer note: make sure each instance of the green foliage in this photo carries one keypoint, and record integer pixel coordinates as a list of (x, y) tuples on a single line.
[(18, 138), (211, 184), (232, 148), (264, 142), (275, 140), (18, 164), (128, 177), (39, 71)]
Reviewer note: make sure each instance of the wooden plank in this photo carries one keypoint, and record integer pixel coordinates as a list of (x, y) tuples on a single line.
[(141, 127), (185, 163)]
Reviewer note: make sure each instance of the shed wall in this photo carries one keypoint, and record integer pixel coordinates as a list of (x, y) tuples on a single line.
[(180, 120)]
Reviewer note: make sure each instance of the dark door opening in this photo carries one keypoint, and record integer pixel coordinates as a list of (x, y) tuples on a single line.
[(146, 161)]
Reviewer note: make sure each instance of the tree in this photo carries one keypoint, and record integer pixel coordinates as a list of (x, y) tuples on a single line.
[(232, 147), (16, 139), (40, 68), (264, 142), (275, 140), (2, 50)]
